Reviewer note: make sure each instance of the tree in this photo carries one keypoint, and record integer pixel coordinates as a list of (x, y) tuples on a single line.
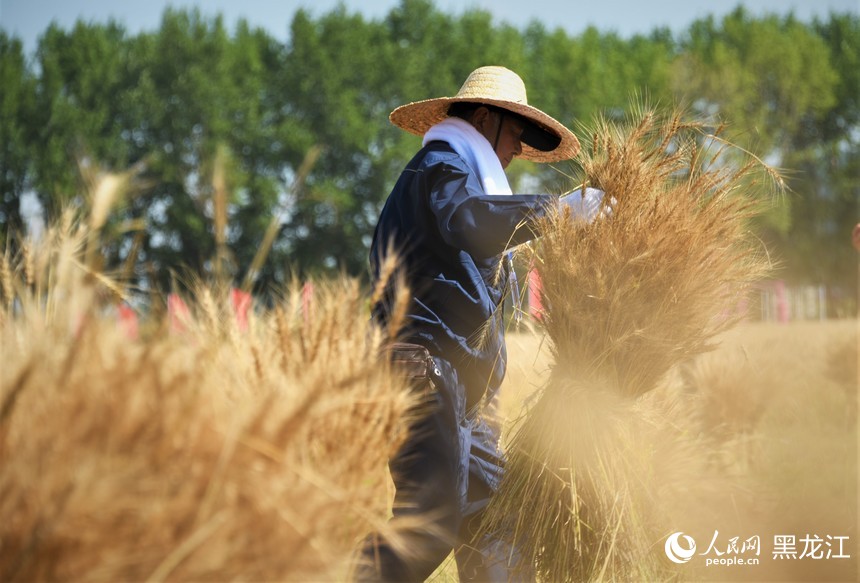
[(826, 157), (241, 137), (211, 98), (789, 92), (81, 95), (762, 75), (16, 107)]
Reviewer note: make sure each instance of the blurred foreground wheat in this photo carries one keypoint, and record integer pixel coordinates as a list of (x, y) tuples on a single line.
[(595, 469), (208, 450)]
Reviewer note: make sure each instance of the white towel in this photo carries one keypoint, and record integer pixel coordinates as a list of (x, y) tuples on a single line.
[(587, 206), (475, 149)]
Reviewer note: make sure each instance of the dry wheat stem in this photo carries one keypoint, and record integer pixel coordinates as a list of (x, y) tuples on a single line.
[(209, 453), (626, 298)]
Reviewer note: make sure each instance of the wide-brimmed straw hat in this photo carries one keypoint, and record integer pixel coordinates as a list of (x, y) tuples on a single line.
[(549, 141)]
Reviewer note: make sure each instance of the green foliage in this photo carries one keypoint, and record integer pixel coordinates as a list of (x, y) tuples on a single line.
[(826, 155), (307, 149), (763, 75), (16, 108), (790, 93), (80, 102)]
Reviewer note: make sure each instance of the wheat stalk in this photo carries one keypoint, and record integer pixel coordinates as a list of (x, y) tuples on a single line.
[(201, 454), (627, 298)]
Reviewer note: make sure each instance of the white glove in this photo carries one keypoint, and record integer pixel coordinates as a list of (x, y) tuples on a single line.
[(587, 207)]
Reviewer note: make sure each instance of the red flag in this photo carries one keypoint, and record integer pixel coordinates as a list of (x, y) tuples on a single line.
[(782, 308), (128, 321), (241, 305), (307, 302), (535, 302), (178, 312)]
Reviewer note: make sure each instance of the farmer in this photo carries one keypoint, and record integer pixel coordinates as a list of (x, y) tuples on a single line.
[(450, 218)]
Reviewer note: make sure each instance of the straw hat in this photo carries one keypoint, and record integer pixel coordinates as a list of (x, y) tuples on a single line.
[(503, 88)]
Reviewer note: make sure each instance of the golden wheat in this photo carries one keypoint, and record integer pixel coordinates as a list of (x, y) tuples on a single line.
[(210, 453), (791, 468), (627, 298)]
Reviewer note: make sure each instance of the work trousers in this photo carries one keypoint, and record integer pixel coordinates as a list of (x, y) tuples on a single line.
[(444, 477)]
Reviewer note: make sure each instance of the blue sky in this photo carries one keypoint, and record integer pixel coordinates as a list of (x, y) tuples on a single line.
[(29, 18)]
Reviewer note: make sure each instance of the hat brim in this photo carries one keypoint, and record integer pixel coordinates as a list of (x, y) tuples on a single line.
[(419, 116)]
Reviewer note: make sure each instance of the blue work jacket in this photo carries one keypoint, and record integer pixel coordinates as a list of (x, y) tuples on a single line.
[(450, 238)]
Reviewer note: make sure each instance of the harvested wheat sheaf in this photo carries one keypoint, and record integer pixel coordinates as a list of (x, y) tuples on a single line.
[(595, 469), (214, 452)]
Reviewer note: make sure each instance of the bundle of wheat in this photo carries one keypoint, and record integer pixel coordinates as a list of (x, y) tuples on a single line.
[(210, 453), (626, 298)]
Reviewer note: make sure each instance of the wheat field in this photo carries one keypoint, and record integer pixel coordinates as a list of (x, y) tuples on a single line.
[(204, 446), (195, 445), (774, 408), (218, 452)]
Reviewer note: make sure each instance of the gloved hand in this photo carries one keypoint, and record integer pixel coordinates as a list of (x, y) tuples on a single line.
[(587, 207)]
